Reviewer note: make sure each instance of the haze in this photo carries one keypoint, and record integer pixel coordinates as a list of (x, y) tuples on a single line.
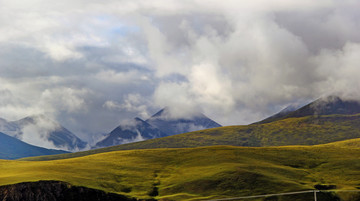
[(93, 64)]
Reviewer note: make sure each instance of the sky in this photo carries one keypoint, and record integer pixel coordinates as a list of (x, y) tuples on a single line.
[(93, 64)]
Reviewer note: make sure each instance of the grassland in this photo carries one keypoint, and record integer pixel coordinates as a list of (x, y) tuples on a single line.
[(201, 173), (309, 130)]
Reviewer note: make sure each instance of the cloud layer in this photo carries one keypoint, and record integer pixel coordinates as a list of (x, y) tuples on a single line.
[(92, 64)]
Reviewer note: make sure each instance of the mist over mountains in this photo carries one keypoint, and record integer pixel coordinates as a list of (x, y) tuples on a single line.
[(41, 131), (238, 62), (12, 148), (161, 124)]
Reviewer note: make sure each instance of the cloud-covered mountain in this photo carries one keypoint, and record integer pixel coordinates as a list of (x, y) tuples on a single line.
[(327, 106), (41, 131), (323, 106), (136, 130), (175, 125), (159, 125), (12, 148)]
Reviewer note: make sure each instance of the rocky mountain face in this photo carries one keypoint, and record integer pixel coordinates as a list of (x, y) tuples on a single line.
[(12, 148), (41, 131), (55, 191), (159, 125)]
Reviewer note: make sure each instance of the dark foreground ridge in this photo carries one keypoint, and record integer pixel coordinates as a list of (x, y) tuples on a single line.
[(55, 191)]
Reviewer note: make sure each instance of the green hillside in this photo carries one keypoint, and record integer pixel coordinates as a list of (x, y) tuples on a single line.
[(310, 130), (202, 173)]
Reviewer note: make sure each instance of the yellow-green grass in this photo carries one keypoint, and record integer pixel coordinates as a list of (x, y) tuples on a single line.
[(200, 173), (309, 130)]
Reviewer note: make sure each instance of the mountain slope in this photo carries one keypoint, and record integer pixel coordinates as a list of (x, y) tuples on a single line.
[(172, 126), (12, 148), (137, 130), (201, 173), (323, 106), (41, 131), (280, 115)]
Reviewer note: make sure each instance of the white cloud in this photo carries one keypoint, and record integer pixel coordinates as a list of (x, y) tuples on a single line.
[(131, 103), (339, 70), (92, 64), (131, 77)]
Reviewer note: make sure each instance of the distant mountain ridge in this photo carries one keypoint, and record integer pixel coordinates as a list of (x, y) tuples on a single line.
[(39, 130), (161, 124), (12, 148)]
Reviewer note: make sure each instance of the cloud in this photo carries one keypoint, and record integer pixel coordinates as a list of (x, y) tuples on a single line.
[(91, 64), (37, 132), (65, 99), (339, 70), (131, 103)]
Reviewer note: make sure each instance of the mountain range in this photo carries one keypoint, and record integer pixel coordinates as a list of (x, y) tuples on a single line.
[(287, 130), (39, 130), (159, 125), (260, 160), (324, 120)]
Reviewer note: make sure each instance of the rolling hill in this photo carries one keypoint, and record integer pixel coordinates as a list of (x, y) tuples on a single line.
[(205, 172), (12, 148)]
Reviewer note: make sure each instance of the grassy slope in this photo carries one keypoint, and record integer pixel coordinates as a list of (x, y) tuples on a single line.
[(200, 173), (294, 131)]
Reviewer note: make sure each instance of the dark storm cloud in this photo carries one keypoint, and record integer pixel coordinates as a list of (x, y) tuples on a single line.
[(91, 65)]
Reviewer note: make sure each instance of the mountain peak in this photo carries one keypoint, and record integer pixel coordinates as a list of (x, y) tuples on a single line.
[(160, 124), (39, 130), (130, 131), (327, 106), (171, 125), (176, 113), (323, 106)]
